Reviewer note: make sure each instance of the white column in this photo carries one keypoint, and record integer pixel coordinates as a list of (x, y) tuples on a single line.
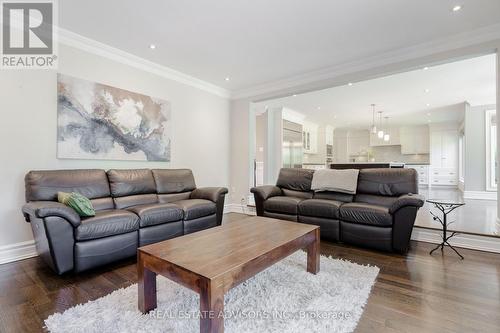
[(498, 130)]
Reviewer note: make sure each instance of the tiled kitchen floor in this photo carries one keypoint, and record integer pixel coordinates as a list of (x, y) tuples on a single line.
[(477, 216)]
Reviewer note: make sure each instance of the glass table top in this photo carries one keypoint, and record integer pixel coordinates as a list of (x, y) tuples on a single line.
[(447, 202)]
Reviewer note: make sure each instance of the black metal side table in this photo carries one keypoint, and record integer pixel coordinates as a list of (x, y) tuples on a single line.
[(446, 207)]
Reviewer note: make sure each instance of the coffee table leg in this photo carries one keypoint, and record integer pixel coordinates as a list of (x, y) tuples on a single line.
[(211, 308), (313, 254), (147, 287)]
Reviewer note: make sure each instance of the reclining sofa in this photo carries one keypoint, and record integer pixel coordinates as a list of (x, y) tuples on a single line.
[(133, 208), (380, 215)]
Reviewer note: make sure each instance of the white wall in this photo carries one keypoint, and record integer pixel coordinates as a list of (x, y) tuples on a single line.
[(28, 105), (475, 147)]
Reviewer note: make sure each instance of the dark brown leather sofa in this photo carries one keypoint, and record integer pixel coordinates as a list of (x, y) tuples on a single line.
[(380, 215), (133, 208)]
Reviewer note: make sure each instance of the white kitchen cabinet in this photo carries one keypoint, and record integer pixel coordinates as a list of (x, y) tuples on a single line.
[(444, 157), (329, 134), (310, 138), (423, 173), (340, 151), (394, 138), (414, 140)]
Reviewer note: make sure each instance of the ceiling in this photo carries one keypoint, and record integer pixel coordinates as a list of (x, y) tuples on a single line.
[(434, 94), (261, 41)]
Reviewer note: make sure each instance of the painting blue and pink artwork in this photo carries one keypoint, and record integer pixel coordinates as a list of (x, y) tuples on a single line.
[(97, 121)]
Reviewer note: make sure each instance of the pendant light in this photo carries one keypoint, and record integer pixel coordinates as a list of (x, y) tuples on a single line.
[(373, 128), (387, 137), (380, 133)]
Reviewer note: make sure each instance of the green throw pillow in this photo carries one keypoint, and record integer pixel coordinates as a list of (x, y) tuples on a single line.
[(78, 202)]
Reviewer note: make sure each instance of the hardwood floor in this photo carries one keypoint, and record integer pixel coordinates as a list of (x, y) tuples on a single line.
[(413, 293), (476, 217)]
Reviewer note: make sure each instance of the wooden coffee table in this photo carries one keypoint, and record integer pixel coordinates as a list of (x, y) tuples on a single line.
[(213, 261)]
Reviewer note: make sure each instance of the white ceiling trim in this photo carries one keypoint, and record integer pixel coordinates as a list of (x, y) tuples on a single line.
[(94, 47), (470, 38)]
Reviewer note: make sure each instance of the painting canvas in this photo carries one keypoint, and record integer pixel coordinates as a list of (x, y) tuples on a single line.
[(96, 121)]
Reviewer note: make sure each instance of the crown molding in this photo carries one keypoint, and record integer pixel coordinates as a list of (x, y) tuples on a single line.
[(474, 37), (467, 39), (75, 40)]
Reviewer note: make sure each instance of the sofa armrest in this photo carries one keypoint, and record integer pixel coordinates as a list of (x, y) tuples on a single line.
[(215, 194), (42, 209), (266, 191), (261, 194), (413, 200), (208, 193)]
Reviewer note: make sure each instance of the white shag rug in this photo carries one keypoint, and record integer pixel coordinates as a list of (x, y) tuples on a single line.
[(283, 298)]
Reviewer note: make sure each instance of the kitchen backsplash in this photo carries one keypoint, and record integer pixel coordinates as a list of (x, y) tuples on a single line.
[(393, 154)]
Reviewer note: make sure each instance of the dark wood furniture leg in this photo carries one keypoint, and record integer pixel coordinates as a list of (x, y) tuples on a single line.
[(313, 254), (147, 287), (211, 308)]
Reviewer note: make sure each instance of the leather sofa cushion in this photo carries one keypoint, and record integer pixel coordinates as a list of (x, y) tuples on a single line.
[(107, 223), (172, 197), (44, 185), (195, 208), (387, 182), (135, 200), (366, 214), (281, 204), (130, 182), (174, 180), (337, 196), (295, 179), (320, 208), (377, 200), (103, 203), (157, 214), (297, 194)]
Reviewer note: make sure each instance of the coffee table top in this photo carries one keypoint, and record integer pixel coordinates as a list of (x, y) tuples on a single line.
[(216, 251)]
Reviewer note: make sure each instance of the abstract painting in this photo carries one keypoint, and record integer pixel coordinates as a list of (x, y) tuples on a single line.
[(96, 121)]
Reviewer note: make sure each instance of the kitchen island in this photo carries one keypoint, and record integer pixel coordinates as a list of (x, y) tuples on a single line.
[(366, 165)]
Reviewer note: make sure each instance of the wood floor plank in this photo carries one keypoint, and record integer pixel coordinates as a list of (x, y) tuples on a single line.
[(413, 293)]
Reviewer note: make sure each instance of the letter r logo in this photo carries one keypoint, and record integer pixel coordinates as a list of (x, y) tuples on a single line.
[(27, 28)]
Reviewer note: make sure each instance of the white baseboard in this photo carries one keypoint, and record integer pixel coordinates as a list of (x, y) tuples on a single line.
[(241, 209), (467, 241), (18, 251), (480, 195)]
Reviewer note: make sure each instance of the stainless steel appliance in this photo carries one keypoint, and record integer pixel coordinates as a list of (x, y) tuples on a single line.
[(329, 150), (292, 145)]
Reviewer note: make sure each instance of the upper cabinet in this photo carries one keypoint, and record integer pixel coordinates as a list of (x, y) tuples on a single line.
[(310, 138), (393, 140), (329, 134), (414, 140), (444, 149)]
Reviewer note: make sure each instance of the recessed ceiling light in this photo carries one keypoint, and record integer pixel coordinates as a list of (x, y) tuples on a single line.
[(294, 95), (426, 90), (427, 105), (152, 46), (319, 107), (349, 84), (227, 79), (426, 68), (457, 8)]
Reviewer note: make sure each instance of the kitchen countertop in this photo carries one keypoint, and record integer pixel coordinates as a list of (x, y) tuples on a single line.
[(377, 162), (418, 163)]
